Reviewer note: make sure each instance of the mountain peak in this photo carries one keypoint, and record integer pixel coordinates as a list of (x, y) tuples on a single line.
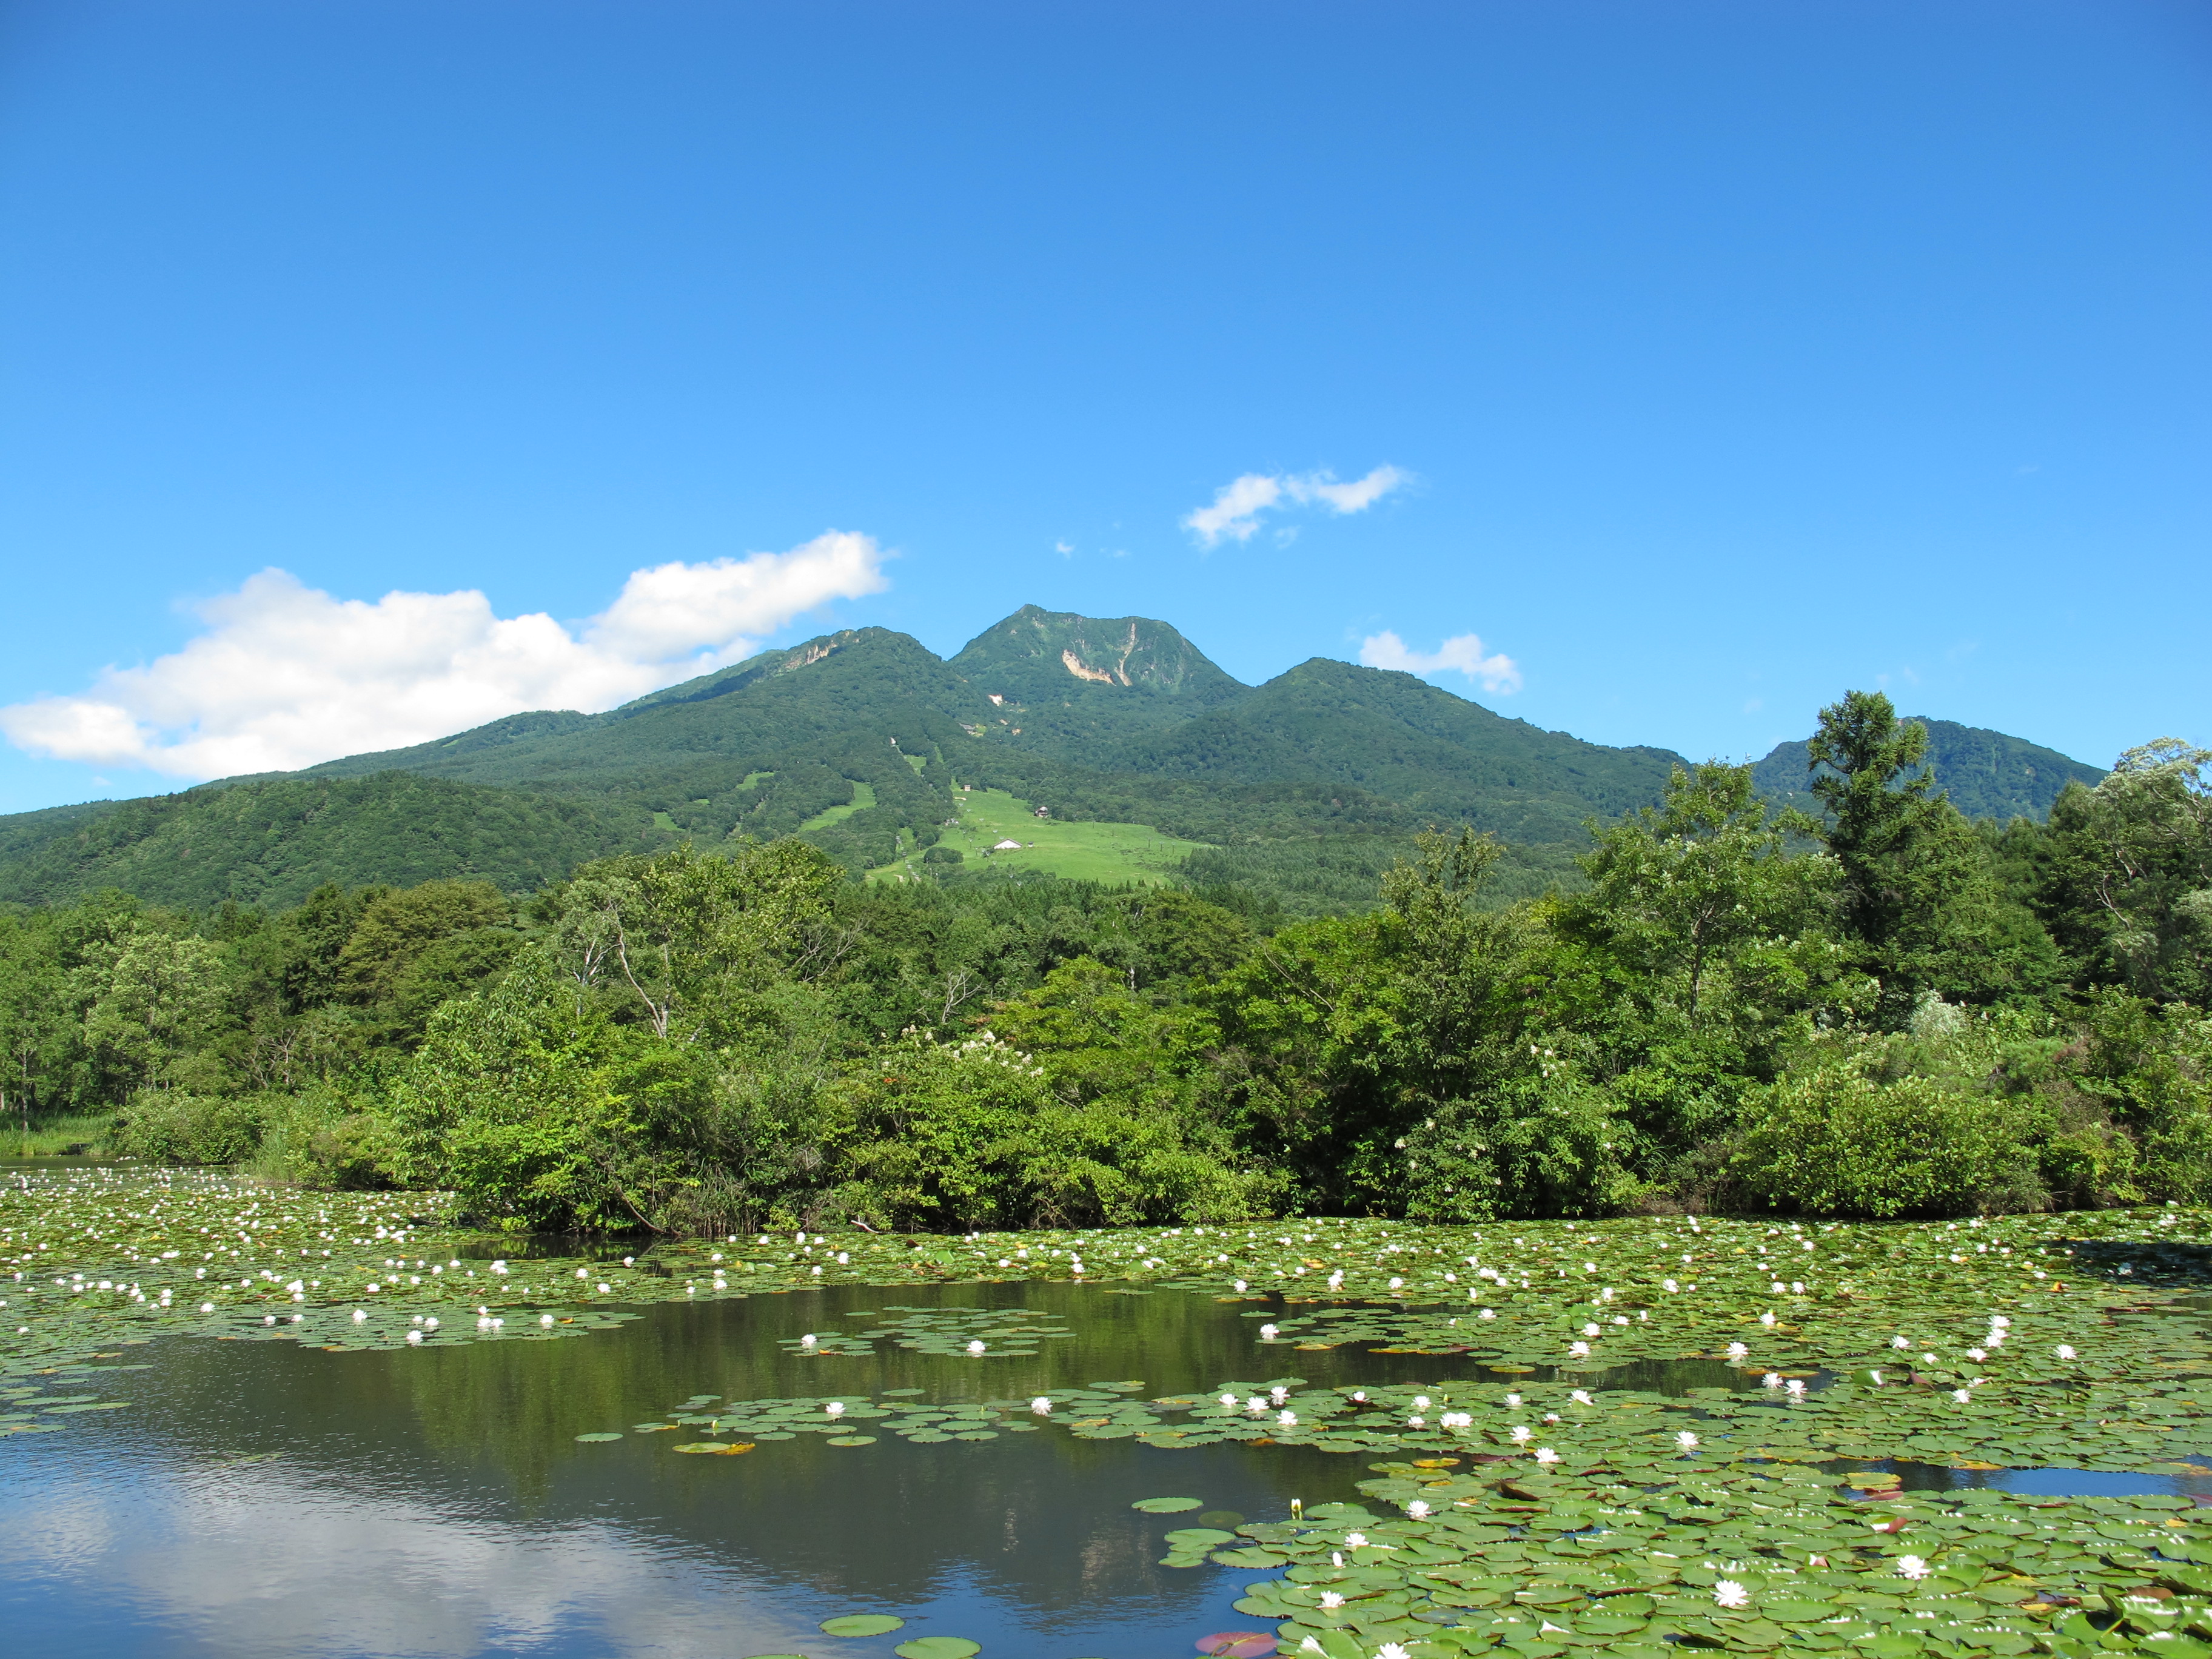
[(1037, 655)]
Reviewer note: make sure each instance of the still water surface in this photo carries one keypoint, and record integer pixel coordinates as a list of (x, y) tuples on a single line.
[(261, 1498)]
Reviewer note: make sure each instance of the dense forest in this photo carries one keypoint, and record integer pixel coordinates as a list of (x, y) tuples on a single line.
[(1879, 1006)]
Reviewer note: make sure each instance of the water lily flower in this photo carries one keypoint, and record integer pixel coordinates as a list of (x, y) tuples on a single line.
[(1960, 1396), (1392, 1650), (1417, 1509), (1911, 1566), (1287, 1419), (1687, 1441), (1578, 1350), (2064, 1351), (1512, 1399), (1900, 1342), (1043, 1407), (358, 1315), (1278, 1393), (1268, 1332), (808, 1340), (1551, 1417), (545, 1320), (1670, 1284), (1229, 1400), (976, 1347), (1976, 1355), (1521, 1433), (1876, 1375), (1737, 1351), (1581, 1397), (1311, 1646), (412, 1336), (1487, 1313), (1355, 1540), (1331, 1600), (1796, 1386), (1592, 1329), (834, 1408), (1767, 1319), (1256, 1405), (1772, 1380), (1416, 1421), (1240, 1284), (1729, 1593), (1546, 1454)]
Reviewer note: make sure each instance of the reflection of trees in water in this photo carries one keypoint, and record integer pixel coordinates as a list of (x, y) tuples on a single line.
[(1044, 1515)]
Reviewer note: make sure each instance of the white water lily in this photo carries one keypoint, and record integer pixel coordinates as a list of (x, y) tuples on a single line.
[(1546, 1454), (1268, 1332), (1578, 1350), (1670, 1285), (1278, 1393), (1043, 1407), (1355, 1540), (1392, 1650), (1287, 1419), (1240, 1286), (1487, 1313), (1417, 1509), (1686, 1440), (834, 1408), (1727, 1593), (1796, 1387), (412, 1336), (1229, 1400), (808, 1340), (1960, 1396), (1581, 1397), (2064, 1351), (545, 1320), (1330, 1600), (1912, 1566), (1767, 1319), (1900, 1342), (1512, 1400), (975, 1346), (1772, 1380), (1521, 1433)]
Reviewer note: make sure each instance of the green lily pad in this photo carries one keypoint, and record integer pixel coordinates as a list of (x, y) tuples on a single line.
[(595, 1439), (1168, 1505), (938, 1647), (862, 1624)]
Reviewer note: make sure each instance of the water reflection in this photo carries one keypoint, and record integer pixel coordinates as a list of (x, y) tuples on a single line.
[(262, 1498)]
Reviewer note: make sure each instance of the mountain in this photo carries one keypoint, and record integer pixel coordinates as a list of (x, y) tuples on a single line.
[(1987, 774), (858, 741), (271, 841), (1062, 684)]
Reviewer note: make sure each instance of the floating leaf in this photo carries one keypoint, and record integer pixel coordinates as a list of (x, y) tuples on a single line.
[(938, 1647), (1167, 1505), (594, 1439), (862, 1624)]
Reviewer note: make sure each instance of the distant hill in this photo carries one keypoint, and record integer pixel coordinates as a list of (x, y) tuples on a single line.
[(271, 841), (857, 741), (1986, 773)]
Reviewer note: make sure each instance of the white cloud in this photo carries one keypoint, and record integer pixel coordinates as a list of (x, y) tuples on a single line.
[(1234, 513), (284, 675), (1463, 654)]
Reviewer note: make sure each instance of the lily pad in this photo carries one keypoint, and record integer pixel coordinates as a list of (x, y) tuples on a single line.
[(938, 1647), (595, 1439), (862, 1624), (1168, 1505)]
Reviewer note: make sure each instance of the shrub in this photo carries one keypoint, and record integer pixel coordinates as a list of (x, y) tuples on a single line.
[(933, 1135), (1542, 1146), (1831, 1140), (942, 854), (168, 1126)]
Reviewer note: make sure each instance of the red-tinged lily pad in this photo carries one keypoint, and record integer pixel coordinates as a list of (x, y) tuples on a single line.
[(1236, 1644)]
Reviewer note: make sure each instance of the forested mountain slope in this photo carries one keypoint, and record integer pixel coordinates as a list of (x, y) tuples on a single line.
[(1987, 774), (858, 739)]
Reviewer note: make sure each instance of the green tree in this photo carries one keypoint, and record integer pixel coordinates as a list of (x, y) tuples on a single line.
[(1916, 894)]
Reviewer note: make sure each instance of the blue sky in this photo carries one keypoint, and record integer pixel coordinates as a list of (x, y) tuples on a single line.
[(1723, 357)]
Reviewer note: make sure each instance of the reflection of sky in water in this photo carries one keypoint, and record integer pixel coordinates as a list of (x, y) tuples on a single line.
[(260, 1500)]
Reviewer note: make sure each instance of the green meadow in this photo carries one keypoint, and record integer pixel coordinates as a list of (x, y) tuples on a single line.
[(1074, 852)]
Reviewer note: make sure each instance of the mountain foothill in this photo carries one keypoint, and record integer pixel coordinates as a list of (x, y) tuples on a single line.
[(1307, 786)]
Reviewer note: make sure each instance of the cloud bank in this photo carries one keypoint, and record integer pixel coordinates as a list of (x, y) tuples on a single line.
[(284, 675), (1463, 654), (1234, 513)]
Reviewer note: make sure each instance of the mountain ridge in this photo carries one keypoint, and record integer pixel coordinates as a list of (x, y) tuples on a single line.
[(859, 738)]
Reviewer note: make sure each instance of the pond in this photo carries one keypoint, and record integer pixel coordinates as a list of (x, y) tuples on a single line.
[(1115, 1446)]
